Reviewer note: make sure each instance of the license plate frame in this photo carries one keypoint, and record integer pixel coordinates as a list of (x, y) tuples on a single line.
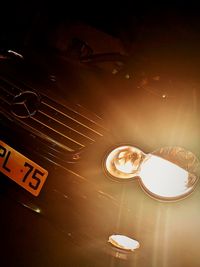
[(25, 172)]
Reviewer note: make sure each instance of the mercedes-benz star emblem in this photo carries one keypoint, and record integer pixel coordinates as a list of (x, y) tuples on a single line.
[(25, 104)]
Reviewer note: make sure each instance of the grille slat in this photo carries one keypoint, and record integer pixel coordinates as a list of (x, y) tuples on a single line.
[(6, 91), (74, 123), (46, 133), (10, 87), (5, 96), (53, 129), (74, 115), (68, 127)]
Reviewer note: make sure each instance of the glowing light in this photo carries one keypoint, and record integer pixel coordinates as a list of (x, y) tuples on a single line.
[(123, 242), (123, 162), (164, 178), (37, 210), (159, 177)]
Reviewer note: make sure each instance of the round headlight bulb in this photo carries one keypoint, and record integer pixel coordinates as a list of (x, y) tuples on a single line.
[(124, 162)]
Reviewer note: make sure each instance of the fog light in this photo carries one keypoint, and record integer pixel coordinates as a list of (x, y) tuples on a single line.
[(123, 242), (169, 174)]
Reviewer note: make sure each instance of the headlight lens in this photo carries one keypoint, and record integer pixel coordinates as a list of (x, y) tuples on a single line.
[(167, 174), (164, 179), (123, 162)]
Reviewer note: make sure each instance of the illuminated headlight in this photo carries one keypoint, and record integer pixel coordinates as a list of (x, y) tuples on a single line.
[(123, 162), (162, 175)]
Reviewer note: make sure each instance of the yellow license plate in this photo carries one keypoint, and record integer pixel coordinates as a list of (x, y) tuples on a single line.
[(22, 170)]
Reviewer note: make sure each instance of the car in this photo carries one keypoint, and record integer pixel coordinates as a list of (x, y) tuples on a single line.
[(64, 111)]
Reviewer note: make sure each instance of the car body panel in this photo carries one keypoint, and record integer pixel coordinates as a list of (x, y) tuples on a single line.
[(79, 207)]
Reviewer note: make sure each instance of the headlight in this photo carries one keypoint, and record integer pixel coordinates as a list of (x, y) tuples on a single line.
[(124, 162), (162, 175)]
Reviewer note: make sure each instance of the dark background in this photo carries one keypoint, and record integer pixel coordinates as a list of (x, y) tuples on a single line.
[(132, 21)]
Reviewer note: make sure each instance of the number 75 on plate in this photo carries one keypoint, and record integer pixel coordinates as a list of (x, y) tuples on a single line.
[(21, 169)]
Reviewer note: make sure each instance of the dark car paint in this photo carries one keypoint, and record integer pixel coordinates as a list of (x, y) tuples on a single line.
[(79, 200)]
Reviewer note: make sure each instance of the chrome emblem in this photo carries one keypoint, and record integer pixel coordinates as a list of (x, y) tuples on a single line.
[(25, 104)]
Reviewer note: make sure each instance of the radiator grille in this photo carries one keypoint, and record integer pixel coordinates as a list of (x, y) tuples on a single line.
[(69, 127)]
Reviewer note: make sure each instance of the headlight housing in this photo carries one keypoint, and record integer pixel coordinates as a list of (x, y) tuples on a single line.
[(166, 174)]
